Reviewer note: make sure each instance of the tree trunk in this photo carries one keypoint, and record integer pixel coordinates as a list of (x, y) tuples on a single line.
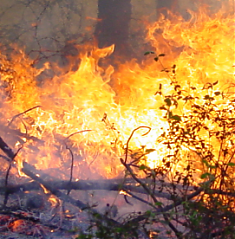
[(113, 25), (163, 6), (167, 3)]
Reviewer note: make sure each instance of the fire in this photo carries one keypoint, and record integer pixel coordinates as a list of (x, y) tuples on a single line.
[(89, 113), (124, 193)]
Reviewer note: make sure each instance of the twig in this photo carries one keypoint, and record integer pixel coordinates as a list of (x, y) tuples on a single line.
[(21, 215), (26, 111), (15, 132), (72, 157), (132, 133), (7, 177), (149, 192), (168, 207)]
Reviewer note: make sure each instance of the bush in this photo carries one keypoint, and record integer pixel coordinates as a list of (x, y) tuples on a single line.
[(197, 170)]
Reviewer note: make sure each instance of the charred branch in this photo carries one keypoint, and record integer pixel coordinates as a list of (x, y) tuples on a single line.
[(7, 150), (19, 135), (81, 185), (66, 198)]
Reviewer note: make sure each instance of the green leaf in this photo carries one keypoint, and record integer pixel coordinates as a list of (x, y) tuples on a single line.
[(170, 114), (149, 52), (148, 151), (162, 108), (143, 167), (211, 166), (119, 229), (168, 164), (209, 175), (207, 97), (205, 175), (205, 162), (158, 203), (231, 164), (168, 101), (156, 58), (176, 117), (150, 213)]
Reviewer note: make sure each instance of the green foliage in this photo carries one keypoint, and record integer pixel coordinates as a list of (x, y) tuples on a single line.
[(204, 131), (197, 170)]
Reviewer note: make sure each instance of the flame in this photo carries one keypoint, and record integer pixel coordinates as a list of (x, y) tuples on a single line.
[(18, 226), (89, 113), (53, 200), (124, 193)]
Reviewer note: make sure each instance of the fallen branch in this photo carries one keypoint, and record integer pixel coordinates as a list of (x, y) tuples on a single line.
[(81, 185), (82, 206), (19, 134), (7, 150), (66, 198)]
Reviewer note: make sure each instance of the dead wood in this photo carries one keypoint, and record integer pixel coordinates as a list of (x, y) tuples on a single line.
[(80, 185), (66, 198), (128, 185), (15, 214), (19, 134), (54, 191), (7, 150)]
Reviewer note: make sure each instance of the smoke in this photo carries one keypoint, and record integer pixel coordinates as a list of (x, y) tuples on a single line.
[(49, 30), (44, 28)]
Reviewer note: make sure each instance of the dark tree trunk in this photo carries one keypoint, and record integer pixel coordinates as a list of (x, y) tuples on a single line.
[(164, 5), (113, 25)]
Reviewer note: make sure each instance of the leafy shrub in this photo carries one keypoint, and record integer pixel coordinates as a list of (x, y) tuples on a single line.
[(197, 170)]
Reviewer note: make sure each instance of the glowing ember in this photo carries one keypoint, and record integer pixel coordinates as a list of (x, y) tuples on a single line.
[(104, 105), (125, 193)]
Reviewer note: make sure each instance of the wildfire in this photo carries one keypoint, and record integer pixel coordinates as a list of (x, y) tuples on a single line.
[(89, 113)]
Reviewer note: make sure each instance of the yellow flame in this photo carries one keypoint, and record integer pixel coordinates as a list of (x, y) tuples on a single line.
[(107, 104), (53, 200), (124, 193)]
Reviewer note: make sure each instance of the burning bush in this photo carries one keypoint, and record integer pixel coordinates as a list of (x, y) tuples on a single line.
[(166, 127)]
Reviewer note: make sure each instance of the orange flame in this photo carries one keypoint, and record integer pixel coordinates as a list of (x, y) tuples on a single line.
[(105, 104)]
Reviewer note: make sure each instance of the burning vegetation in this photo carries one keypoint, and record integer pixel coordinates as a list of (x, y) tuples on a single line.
[(159, 133)]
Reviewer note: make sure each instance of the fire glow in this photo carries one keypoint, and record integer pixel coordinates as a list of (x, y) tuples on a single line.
[(93, 110)]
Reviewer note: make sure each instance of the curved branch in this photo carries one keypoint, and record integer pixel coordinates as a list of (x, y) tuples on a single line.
[(129, 139)]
